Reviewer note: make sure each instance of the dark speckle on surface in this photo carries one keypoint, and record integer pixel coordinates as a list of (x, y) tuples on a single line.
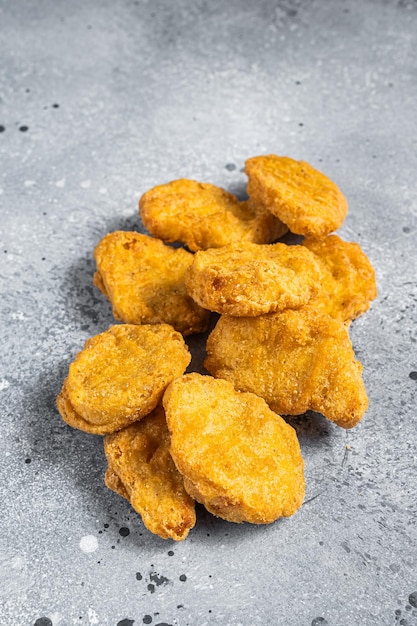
[(23, 128), (151, 588), (319, 621), (55, 106), (43, 621), (412, 598), (124, 531), (27, 461), (126, 622), (183, 578), (230, 167), (147, 619), (139, 576), (413, 375), (2, 128), (170, 552), (158, 580)]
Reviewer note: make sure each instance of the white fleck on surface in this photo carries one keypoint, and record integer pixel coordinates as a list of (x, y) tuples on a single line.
[(15, 578), (102, 190), (19, 316), (88, 543), (29, 183), (4, 384), (92, 617), (60, 183), (85, 184), (1, 191)]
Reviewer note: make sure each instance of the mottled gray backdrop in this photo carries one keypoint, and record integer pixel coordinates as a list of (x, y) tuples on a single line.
[(99, 101)]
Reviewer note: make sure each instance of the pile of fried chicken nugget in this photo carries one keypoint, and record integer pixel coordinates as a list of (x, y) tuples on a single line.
[(280, 346)]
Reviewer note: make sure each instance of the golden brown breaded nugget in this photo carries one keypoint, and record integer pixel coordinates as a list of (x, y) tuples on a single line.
[(142, 471), (111, 479), (303, 198), (144, 281), (204, 216), (238, 458), (297, 360), (251, 279), (348, 279), (120, 376)]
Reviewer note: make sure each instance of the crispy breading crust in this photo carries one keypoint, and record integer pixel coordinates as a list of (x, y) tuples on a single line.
[(348, 279), (306, 200), (204, 216), (112, 480), (144, 281), (297, 360), (120, 376), (238, 458), (251, 279), (140, 469)]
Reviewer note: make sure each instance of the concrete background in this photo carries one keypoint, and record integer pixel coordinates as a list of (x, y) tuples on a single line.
[(101, 100)]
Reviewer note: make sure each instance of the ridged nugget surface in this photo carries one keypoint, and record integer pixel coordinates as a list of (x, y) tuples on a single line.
[(120, 376), (238, 458), (204, 216), (251, 279), (296, 360), (140, 469), (144, 281), (303, 198), (347, 284)]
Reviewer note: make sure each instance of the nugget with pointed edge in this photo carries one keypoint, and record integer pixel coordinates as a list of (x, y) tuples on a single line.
[(144, 281), (120, 376), (303, 198), (238, 458), (348, 284), (140, 469), (296, 360), (251, 279), (204, 216)]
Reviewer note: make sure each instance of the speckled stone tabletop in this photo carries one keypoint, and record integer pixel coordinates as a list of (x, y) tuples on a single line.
[(101, 100)]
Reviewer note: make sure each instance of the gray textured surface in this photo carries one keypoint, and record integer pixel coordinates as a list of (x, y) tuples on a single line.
[(118, 97)]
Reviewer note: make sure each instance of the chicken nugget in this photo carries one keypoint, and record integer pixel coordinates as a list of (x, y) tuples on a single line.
[(251, 279), (140, 469), (204, 216), (303, 198), (238, 458), (348, 279), (120, 376), (296, 360), (144, 281)]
